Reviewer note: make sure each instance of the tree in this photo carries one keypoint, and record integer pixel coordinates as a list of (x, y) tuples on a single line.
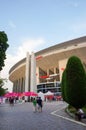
[(3, 47), (63, 85), (75, 90), (2, 90), (84, 64)]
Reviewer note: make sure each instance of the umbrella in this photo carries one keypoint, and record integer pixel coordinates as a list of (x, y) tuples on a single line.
[(11, 94), (34, 94), (7, 95), (20, 94), (30, 94), (26, 93)]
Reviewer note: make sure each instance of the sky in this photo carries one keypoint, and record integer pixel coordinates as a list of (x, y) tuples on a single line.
[(33, 25)]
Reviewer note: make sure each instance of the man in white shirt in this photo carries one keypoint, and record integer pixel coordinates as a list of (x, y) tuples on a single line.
[(79, 114)]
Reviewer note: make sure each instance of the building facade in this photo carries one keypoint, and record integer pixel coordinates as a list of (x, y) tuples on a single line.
[(42, 71)]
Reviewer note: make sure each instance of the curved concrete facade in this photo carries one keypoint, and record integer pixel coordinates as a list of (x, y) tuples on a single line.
[(45, 66)]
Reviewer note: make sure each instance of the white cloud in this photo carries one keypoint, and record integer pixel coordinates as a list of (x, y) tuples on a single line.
[(11, 60), (27, 45), (30, 45)]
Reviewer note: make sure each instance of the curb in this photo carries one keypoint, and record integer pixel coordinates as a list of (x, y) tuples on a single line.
[(70, 114)]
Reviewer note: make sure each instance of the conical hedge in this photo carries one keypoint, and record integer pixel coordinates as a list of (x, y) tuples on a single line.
[(75, 81)]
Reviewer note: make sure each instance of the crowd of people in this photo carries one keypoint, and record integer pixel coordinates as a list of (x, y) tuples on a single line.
[(37, 102), (12, 100)]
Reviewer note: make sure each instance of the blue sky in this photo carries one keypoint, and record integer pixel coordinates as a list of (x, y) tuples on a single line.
[(33, 25)]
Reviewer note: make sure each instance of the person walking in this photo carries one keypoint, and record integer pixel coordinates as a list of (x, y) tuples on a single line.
[(11, 101), (40, 104), (35, 104)]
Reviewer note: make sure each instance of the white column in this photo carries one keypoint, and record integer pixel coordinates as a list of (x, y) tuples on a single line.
[(54, 73), (33, 84), (62, 66), (27, 73), (47, 74), (37, 75)]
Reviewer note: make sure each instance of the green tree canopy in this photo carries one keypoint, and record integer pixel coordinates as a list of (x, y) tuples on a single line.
[(63, 85), (74, 83), (2, 90), (3, 47)]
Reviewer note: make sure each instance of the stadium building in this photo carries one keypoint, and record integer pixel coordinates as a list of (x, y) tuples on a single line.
[(42, 71)]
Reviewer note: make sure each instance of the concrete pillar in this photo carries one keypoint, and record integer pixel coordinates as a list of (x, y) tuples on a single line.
[(37, 75), (23, 84), (47, 71), (19, 85), (47, 74), (27, 74), (33, 73), (13, 87), (62, 66), (54, 73)]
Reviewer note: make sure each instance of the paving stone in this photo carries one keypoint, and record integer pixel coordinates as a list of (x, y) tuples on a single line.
[(22, 117)]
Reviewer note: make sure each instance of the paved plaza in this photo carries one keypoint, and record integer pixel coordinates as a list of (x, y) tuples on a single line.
[(22, 117)]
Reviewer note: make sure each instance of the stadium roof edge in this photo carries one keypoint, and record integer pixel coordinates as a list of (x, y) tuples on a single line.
[(63, 44), (57, 46)]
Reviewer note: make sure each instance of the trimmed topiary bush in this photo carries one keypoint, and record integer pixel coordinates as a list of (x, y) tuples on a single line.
[(63, 86), (74, 84)]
